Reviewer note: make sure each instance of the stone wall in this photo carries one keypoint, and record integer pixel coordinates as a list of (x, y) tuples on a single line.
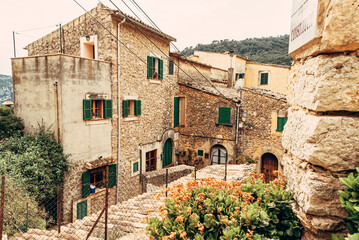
[(321, 135), (256, 135), (201, 130)]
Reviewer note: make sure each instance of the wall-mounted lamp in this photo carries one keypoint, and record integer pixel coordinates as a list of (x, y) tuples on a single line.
[(87, 37), (158, 138)]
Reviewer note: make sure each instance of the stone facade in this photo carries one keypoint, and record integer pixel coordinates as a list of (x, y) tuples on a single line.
[(259, 135), (322, 131)]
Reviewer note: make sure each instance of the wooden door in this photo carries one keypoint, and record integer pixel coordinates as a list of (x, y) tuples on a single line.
[(167, 153), (269, 165)]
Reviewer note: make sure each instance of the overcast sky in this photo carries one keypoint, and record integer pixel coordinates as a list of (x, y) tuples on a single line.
[(189, 21)]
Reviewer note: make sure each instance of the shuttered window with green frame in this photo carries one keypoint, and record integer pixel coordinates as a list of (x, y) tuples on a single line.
[(107, 108), (112, 176), (151, 61), (125, 109), (87, 109), (137, 107), (170, 67), (176, 111), (281, 121), (224, 116), (86, 181), (264, 78), (81, 209)]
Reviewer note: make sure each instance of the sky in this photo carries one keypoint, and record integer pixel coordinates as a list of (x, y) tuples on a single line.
[(189, 21)]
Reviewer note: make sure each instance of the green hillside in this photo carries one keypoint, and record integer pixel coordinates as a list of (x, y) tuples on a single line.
[(5, 88), (265, 50)]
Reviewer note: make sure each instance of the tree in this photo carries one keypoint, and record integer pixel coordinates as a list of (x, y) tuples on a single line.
[(9, 124)]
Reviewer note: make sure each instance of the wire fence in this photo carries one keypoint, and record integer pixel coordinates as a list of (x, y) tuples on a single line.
[(24, 215)]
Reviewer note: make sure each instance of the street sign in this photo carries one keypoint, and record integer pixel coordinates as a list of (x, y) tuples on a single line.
[(303, 23)]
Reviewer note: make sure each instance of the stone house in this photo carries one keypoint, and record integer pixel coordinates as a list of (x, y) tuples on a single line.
[(245, 72), (217, 124), (111, 106)]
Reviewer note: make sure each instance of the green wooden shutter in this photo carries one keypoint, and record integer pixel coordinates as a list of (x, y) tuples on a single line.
[(107, 108), (281, 121), (135, 167), (224, 116), (86, 181), (87, 109), (264, 78), (170, 67), (160, 69), (81, 209), (176, 109), (149, 67), (200, 153), (125, 109), (137, 107), (112, 175)]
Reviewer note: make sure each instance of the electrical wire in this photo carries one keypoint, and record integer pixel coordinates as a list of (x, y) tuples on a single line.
[(154, 25), (162, 51), (110, 32)]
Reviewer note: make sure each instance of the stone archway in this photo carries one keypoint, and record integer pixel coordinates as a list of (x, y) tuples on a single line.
[(257, 156), (218, 154), (269, 164)]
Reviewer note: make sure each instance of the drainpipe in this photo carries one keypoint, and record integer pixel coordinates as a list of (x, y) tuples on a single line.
[(118, 110), (57, 111)]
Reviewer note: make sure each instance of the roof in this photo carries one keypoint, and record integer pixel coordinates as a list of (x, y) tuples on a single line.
[(246, 59), (228, 93), (183, 58), (268, 64), (142, 24)]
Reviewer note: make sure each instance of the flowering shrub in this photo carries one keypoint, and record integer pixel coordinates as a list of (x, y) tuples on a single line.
[(210, 209)]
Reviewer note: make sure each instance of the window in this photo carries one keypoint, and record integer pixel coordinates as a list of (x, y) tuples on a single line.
[(97, 109), (179, 111), (154, 68), (96, 178), (135, 167), (170, 67), (281, 121), (239, 75), (131, 108), (200, 153), (224, 116), (89, 47), (264, 78), (151, 161)]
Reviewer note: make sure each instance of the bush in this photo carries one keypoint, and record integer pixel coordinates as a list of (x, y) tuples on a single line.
[(349, 199), (9, 124), (209, 209), (17, 203), (37, 163)]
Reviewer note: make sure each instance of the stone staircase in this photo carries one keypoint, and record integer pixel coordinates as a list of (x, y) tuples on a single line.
[(124, 219)]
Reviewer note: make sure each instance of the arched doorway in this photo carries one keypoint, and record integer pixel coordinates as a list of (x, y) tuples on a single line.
[(167, 153), (218, 155), (269, 164)]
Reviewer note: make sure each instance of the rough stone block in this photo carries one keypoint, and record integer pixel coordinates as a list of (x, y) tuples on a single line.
[(325, 83), (337, 29), (327, 141), (314, 189)]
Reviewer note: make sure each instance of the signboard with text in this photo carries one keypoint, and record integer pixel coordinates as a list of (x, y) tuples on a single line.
[(303, 23)]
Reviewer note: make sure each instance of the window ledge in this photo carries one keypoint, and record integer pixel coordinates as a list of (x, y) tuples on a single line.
[(224, 124), (155, 81), (96, 121), (130, 118)]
